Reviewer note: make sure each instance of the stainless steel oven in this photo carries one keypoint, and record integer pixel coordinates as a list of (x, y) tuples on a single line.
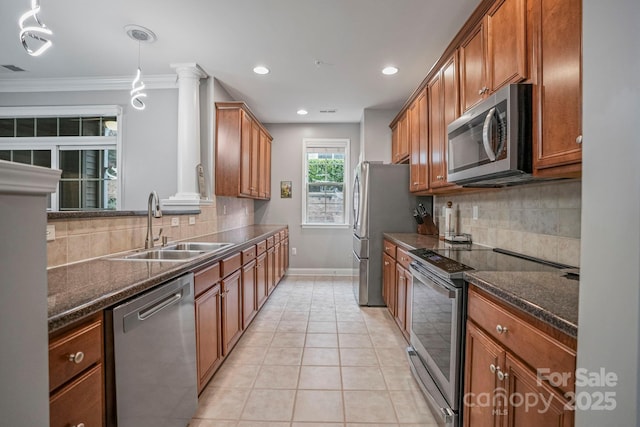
[(437, 331)]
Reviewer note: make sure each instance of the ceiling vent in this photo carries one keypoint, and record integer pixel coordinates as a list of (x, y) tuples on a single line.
[(13, 68), (328, 110)]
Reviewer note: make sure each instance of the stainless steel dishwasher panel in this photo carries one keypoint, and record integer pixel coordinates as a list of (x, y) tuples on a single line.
[(153, 367)]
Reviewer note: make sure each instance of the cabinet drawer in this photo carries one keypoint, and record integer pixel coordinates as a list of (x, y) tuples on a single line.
[(390, 249), (283, 234), (276, 238), (230, 264), (261, 247), (206, 278), (74, 352), (403, 258), (80, 402), (270, 242), (531, 345), (249, 254)]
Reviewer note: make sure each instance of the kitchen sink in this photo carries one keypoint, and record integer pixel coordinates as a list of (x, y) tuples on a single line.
[(163, 255), (196, 246)]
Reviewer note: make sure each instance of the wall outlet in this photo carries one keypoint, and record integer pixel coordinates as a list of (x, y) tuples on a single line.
[(175, 221), (192, 220), (246, 210), (294, 251), (475, 212), (51, 233), (224, 209)]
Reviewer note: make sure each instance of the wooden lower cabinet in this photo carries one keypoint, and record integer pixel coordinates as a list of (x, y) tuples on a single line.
[(389, 282), (231, 311), (271, 256), (396, 286), (208, 310), (500, 387), (401, 297), (76, 376), (249, 303), (277, 260), (262, 282)]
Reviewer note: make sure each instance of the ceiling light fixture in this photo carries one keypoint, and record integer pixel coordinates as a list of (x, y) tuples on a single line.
[(260, 69), (389, 71), (37, 32), (140, 34), (302, 112)]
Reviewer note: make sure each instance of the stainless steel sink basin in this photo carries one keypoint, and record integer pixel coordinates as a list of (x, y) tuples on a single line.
[(196, 246), (163, 255)]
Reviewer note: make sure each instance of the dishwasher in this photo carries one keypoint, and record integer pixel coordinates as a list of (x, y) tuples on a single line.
[(151, 378)]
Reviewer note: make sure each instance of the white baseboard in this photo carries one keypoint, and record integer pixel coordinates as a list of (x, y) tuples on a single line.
[(321, 272)]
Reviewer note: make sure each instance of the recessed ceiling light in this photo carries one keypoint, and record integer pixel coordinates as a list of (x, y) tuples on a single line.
[(261, 70), (302, 112), (389, 71)]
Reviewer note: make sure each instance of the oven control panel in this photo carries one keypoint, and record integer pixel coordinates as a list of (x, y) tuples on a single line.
[(441, 262)]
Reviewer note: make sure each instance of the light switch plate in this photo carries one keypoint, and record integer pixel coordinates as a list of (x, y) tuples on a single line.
[(192, 220), (175, 221), (475, 212), (51, 233)]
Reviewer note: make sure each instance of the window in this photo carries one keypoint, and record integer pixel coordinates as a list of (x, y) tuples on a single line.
[(81, 141), (325, 177)]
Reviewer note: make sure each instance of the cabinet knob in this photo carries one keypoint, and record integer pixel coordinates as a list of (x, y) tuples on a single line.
[(415, 183), (386, 263), (501, 329), (78, 425), (502, 375), (77, 357), (579, 139), (493, 368)]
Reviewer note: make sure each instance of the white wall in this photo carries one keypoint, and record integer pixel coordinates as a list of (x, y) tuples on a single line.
[(317, 248), (149, 141), (375, 135), (609, 322)]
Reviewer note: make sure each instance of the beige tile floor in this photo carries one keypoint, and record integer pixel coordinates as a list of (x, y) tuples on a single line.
[(313, 358)]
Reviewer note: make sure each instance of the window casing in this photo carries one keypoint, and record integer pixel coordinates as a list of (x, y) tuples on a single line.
[(84, 142), (325, 182)]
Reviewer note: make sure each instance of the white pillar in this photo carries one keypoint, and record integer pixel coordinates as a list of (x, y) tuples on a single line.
[(189, 75)]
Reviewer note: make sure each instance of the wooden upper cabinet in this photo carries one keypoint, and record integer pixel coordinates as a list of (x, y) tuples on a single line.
[(418, 143), (264, 168), (557, 35), (240, 170), (400, 140), (494, 53)]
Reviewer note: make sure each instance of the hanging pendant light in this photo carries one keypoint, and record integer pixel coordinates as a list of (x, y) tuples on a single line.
[(140, 34), (34, 33)]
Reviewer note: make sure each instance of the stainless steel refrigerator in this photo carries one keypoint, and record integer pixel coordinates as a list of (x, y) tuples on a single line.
[(381, 203)]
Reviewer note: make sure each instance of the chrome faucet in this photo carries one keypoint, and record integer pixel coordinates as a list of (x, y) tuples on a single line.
[(153, 208)]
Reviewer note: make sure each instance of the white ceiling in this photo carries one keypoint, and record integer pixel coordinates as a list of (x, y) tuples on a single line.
[(352, 39)]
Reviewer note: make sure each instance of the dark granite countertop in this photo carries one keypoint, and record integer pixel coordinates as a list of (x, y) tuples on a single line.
[(79, 290), (111, 214), (548, 296)]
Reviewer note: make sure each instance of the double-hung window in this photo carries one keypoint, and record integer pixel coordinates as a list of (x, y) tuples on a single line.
[(81, 141), (325, 186)]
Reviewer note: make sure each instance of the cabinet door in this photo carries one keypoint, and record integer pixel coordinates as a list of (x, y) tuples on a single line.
[(436, 136), (401, 143), (450, 110), (255, 159), (482, 360), (388, 281), (472, 69), (262, 283), (208, 334), (276, 263), (542, 406), (271, 284), (231, 311), (267, 194), (395, 137), (506, 40), (558, 92), (285, 263), (245, 154), (262, 170), (249, 304), (419, 143), (401, 296)]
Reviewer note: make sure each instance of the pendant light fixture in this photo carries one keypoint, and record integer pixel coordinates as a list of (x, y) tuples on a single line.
[(139, 34), (35, 32)]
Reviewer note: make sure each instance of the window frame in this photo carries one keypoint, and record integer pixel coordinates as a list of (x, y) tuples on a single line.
[(61, 143), (344, 143)]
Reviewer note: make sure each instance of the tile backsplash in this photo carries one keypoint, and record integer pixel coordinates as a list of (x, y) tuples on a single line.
[(541, 220), (87, 238)]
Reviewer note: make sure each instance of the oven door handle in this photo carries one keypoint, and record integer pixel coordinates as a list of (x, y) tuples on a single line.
[(434, 283)]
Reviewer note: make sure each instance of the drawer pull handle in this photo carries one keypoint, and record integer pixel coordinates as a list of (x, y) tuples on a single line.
[(501, 329), (493, 368), (76, 357), (78, 425), (502, 375)]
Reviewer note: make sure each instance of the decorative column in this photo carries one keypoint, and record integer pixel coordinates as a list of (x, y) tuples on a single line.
[(189, 75)]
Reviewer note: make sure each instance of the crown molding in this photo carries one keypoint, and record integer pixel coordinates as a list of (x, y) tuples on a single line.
[(16, 178), (72, 84)]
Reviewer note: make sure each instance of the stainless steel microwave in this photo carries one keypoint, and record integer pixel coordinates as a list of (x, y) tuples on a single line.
[(490, 145)]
